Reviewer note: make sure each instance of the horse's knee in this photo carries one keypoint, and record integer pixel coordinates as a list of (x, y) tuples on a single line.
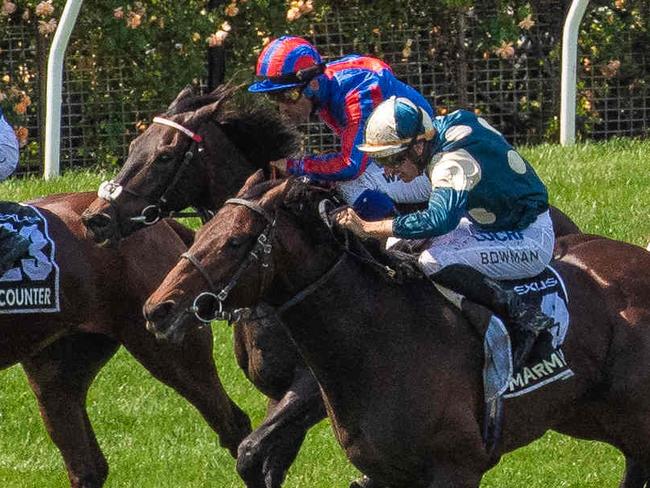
[(249, 462), (232, 435)]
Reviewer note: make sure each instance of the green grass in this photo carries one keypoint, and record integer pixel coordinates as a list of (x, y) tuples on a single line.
[(153, 438)]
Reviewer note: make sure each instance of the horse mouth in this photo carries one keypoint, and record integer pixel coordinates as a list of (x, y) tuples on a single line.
[(171, 328)]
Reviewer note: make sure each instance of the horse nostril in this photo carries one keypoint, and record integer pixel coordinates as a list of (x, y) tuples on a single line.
[(96, 222), (159, 312)]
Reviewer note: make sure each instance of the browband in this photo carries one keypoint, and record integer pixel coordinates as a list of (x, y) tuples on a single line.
[(170, 123)]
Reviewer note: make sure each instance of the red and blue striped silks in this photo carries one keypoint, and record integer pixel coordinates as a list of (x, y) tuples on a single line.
[(347, 93)]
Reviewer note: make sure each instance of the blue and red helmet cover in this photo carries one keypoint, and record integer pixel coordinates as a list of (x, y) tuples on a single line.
[(282, 56)]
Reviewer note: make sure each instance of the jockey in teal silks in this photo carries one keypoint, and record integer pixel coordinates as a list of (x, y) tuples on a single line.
[(487, 217), (343, 93), (12, 245)]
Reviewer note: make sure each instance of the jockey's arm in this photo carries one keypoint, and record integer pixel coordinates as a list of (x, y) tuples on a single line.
[(446, 207), (349, 162), (447, 204)]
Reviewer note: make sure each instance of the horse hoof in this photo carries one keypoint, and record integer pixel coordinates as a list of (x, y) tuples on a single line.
[(363, 482)]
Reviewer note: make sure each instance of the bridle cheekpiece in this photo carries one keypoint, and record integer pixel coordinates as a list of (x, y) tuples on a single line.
[(151, 214)]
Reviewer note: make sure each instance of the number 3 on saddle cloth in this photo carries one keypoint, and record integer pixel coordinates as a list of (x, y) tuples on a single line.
[(29, 275)]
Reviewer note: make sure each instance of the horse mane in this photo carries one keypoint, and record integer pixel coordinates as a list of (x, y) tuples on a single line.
[(302, 201), (255, 129), (259, 132)]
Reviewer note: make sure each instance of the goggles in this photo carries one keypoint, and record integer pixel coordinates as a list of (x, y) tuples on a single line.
[(291, 95), (394, 160)]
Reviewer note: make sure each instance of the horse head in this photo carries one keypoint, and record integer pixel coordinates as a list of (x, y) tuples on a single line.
[(196, 154), (239, 256)]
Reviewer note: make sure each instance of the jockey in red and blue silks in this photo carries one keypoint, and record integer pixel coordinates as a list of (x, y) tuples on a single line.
[(344, 93)]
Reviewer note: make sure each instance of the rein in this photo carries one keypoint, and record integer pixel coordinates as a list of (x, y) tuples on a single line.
[(151, 214)]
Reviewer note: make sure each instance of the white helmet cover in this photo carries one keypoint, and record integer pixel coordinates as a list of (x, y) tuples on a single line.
[(392, 126)]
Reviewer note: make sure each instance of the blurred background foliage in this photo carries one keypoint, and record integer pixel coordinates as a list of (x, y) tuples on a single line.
[(126, 61)]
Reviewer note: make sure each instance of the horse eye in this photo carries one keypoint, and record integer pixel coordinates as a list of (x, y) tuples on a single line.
[(163, 158), (236, 241)]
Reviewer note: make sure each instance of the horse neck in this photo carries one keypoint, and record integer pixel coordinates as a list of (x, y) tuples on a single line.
[(226, 172)]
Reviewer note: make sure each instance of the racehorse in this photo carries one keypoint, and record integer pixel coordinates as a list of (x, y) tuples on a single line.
[(102, 292), (200, 159), (399, 366)]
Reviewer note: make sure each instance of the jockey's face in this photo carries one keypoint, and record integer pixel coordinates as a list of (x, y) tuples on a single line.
[(407, 171), (406, 168), (296, 112)]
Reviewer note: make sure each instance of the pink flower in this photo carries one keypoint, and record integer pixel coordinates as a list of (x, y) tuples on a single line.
[(118, 13), (44, 9), (22, 134), (306, 7), (133, 20), (47, 28), (20, 108), (218, 38), (293, 14), (231, 9), (610, 70), (8, 8), (527, 23), (505, 50)]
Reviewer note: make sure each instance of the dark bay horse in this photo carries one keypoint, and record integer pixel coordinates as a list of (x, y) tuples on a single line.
[(102, 292), (399, 366), (167, 170)]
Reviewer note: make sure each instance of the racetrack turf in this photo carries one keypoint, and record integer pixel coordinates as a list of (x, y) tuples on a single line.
[(153, 438)]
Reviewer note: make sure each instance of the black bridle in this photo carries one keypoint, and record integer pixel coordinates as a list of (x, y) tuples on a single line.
[(154, 212), (261, 252)]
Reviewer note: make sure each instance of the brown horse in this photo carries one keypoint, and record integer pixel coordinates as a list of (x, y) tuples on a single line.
[(102, 292), (399, 366), (167, 170)]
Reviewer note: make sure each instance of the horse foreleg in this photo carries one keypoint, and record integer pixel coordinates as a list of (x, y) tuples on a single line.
[(60, 376), (266, 454), (189, 369), (635, 475)]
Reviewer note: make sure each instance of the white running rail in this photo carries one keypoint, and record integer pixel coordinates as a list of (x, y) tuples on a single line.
[(51, 166), (569, 65)]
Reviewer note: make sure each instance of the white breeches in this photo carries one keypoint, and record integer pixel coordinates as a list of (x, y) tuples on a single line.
[(373, 178), (499, 255)]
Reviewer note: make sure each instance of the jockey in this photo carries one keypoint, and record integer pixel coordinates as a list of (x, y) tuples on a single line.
[(487, 217), (343, 93), (12, 244)]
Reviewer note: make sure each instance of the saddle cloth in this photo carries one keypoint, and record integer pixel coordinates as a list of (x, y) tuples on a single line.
[(32, 286), (546, 362)]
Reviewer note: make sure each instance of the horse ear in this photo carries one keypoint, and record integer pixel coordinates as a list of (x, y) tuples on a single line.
[(185, 92), (300, 195), (207, 111), (254, 179), (220, 95)]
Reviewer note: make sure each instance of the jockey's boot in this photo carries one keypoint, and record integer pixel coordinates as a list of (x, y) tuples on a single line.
[(524, 320), (13, 246)]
